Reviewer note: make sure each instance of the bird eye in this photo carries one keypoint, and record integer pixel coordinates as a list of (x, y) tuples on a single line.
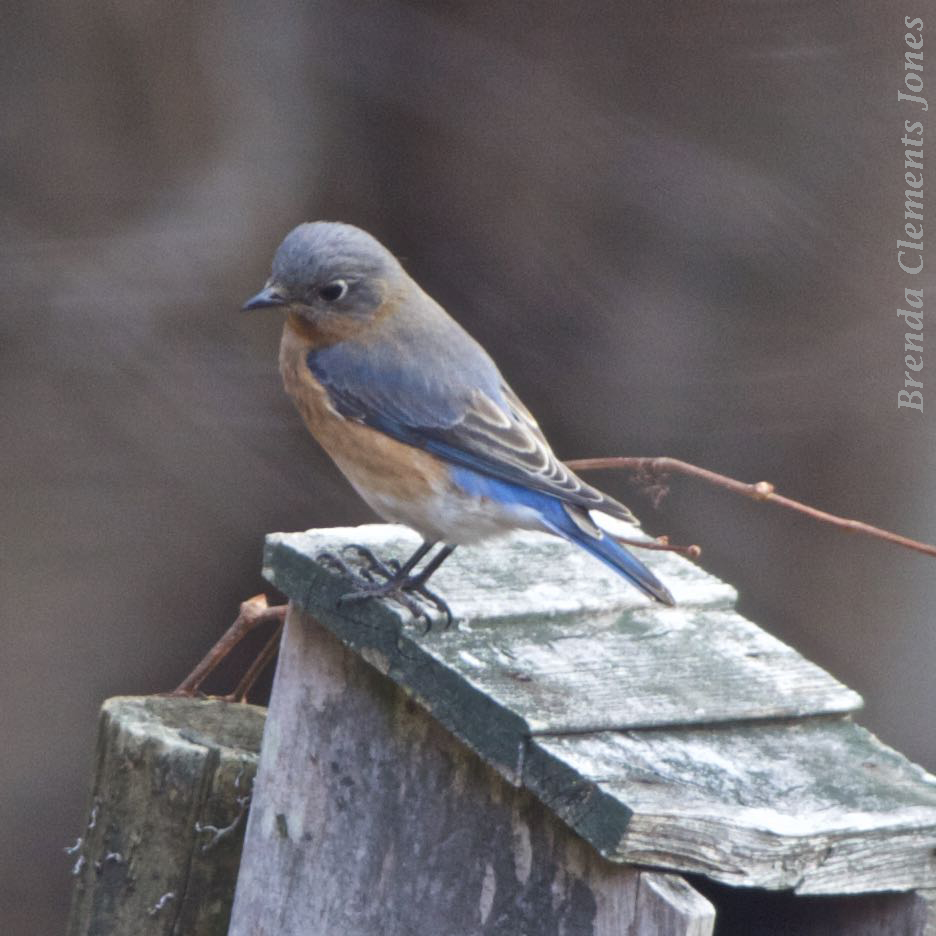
[(333, 291)]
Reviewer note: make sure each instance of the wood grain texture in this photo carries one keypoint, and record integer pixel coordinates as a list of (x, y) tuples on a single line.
[(369, 818), (586, 653), (683, 738), (816, 805), (167, 769), (667, 904)]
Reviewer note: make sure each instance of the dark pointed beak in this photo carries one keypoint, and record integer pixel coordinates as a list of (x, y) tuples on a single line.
[(267, 298)]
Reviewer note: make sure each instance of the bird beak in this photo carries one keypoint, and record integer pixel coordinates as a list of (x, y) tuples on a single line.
[(267, 298)]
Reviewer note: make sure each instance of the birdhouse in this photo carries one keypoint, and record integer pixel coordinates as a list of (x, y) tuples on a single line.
[(568, 758)]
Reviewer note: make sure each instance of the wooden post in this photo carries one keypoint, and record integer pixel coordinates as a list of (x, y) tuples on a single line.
[(370, 818), (160, 851)]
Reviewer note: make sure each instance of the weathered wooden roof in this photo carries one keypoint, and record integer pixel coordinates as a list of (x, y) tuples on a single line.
[(684, 737)]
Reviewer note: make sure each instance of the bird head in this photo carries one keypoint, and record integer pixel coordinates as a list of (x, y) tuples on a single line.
[(331, 275)]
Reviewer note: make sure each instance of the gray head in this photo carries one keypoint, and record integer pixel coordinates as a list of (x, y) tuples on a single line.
[(325, 269)]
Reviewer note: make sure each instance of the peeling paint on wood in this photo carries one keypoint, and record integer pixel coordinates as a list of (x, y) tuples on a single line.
[(816, 805), (160, 853)]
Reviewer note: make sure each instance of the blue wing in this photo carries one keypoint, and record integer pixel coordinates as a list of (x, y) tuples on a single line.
[(458, 407)]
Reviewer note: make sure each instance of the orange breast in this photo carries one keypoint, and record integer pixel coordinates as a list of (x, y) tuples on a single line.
[(381, 469)]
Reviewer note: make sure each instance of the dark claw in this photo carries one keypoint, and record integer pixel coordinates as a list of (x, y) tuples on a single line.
[(438, 602), (404, 591), (363, 553), (341, 565), (395, 593), (335, 562), (372, 564)]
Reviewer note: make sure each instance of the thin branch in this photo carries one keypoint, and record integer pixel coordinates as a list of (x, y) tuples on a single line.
[(663, 544), (253, 612), (658, 468), (259, 664)]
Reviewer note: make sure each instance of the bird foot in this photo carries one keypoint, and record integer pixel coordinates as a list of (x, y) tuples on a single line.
[(373, 578)]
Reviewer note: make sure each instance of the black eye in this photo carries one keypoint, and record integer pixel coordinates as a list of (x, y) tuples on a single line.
[(333, 291)]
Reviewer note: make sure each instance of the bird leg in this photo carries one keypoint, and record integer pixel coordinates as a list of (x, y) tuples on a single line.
[(393, 580)]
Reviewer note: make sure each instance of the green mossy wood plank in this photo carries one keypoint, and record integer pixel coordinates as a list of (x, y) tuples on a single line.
[(817, 805), (167, 770), (685, 738), (516, 577), (549, 641)]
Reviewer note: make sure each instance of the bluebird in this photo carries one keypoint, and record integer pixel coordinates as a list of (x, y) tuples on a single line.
[(418, 417)]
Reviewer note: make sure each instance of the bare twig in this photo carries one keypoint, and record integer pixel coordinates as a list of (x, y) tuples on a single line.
[(663, 544), (260, 663), (253, 612), (656, 469)]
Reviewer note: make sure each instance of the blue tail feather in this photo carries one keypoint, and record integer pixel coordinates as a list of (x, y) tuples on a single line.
[(614, 555), (554, 517)]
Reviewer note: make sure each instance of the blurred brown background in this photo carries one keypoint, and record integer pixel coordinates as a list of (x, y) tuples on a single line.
[(672, 224)]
